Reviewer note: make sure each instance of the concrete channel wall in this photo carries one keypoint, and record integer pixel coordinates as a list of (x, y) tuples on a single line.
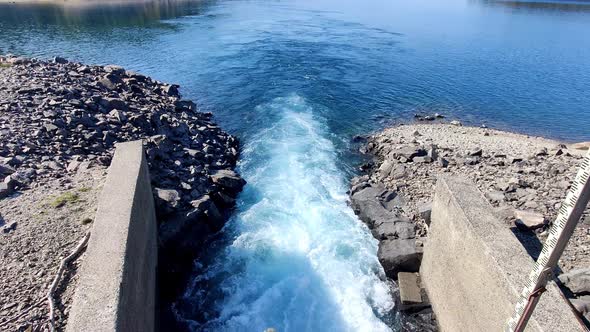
[(474, 268), (117, 285)]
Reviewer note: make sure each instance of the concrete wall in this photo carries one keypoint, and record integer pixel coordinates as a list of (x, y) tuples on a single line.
[(117, 284), (474, 267)]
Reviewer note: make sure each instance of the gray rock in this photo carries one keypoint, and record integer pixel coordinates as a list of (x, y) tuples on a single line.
[(409, 288), (442, 162), (528, 219), (396, 228), (385, 168), (398, 172), (582, 304), (5, 190), (577, 281), (471, 160), (115, 103), (118, 115), (229, 181), (115, 70), (425, 211), (399, 255), (171, 90), (456, 123), (477, 152), (169, 196), (408, 152), (423, 159), (368, 207), (60, 60), (50, 127), (206, 207), (6, 169), (496, 196)]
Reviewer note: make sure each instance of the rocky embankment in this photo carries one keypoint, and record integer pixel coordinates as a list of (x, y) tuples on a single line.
[(524, 178), (59, 119)]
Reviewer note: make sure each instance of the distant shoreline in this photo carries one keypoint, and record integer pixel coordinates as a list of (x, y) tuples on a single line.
[(82, 3)]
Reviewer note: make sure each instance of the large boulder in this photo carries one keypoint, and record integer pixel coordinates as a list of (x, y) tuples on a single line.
[(228, 180), (399, 255), (577, 281), (367, 206), (397, 228)]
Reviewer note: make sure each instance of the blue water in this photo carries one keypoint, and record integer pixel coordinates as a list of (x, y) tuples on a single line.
[(295, 79)]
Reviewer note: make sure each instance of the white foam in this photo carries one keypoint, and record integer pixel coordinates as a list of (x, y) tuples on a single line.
[(300, 259)]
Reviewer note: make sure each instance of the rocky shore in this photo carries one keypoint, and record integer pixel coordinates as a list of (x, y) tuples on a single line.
[(524, 178), (61, 120)]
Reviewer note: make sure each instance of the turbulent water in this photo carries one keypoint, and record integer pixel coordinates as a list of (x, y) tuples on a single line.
[(295, 80), (297, 258)]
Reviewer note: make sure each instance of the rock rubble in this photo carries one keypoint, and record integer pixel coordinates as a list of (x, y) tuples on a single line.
[(58, 118), (525, 178)]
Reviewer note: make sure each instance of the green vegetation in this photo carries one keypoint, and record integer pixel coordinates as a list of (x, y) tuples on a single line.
[(84, 189), (5, 65), (63, 199)]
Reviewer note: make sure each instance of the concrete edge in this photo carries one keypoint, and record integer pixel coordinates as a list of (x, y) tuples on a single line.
[(117, 281), (466, 238)]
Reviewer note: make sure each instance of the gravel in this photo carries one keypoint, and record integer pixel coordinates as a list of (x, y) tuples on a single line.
[(524, 178)]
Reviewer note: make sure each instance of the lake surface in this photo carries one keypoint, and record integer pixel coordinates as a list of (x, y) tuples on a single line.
[(295, 80)]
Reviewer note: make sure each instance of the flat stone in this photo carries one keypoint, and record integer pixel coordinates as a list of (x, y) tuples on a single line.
[(409, 288), (394, 229), (580, 146), (422, 159), (528, 219), (408, 152)]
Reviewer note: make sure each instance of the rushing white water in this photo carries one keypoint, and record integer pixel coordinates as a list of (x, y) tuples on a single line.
[(297, 259)]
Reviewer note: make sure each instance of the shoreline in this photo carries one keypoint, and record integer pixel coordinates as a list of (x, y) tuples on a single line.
[(524, 177), (59, 124)]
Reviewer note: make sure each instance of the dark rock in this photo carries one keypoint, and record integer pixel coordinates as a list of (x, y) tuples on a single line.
[(6, 169), (171, 90), (399, 255), (115, 70), (115, 103), (5, 190), (477, 152), (229, 181), (60, 60)]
